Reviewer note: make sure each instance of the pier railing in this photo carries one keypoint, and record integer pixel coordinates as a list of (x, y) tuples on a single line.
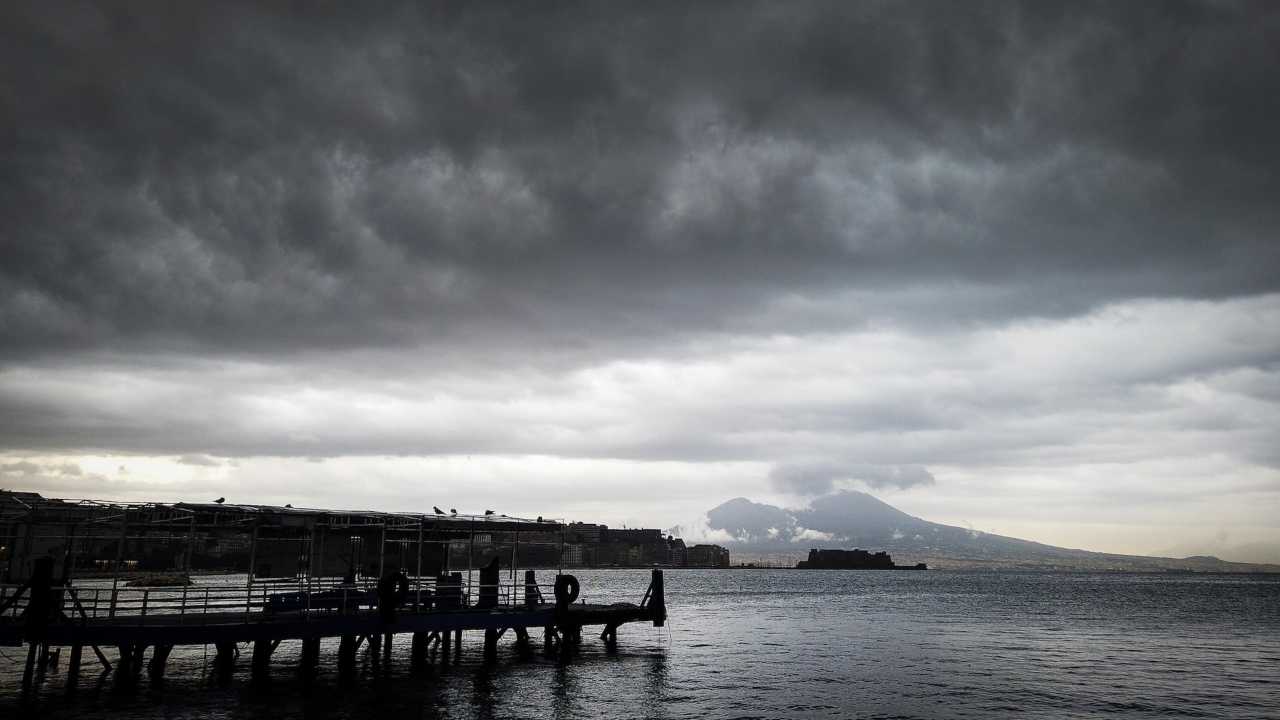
[(266, 601)]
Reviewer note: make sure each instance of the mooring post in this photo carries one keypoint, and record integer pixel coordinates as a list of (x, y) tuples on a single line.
[(159, 656), (490, 577), (657, 600), (530, 590)]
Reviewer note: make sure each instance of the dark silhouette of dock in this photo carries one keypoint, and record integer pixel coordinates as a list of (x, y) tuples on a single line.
[(364, 578)]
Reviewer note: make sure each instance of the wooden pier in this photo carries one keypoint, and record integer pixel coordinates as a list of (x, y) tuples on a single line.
[(416, 592)]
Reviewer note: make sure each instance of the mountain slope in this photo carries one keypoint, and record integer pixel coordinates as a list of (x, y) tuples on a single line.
[(855, 519)]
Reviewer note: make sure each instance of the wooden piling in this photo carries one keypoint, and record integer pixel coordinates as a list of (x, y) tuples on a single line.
[(73, 664), (260, 669), (159, 657), (224, 662), (310, 656), (125, 672), (28, 672), (490, 643), (375, 649), (418, 649), (347, 655)]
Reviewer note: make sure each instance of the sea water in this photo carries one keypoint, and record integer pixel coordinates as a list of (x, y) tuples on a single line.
[(791, 644)]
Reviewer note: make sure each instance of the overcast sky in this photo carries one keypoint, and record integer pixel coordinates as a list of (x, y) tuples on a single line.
[(1015, 266)]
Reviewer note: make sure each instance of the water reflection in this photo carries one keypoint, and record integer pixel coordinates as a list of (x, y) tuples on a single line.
[(565, 702), (655, 699)]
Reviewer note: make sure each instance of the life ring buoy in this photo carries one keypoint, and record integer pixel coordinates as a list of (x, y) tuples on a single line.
[(393, 589), (567, 589)]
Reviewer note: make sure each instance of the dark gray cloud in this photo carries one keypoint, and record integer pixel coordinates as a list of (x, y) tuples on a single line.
[(819, 477), (1027, 248), (562, 178)]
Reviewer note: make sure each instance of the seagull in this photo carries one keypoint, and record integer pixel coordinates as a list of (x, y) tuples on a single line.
[(539, 518), (488, 512), (438, 510), (453, 511), (220, 500)]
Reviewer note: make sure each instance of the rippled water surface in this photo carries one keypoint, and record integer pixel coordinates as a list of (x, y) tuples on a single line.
[(798, 644)]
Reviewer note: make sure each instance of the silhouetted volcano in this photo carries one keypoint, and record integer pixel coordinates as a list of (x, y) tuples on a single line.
[(850, 519)]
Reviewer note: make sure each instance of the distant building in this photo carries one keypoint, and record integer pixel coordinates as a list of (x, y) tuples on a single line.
[(581, 532), (677, 554), (573, 556), (707, 556), (634, 536)]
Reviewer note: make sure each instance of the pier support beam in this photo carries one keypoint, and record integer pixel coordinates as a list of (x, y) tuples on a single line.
[(261, 668), (347, 655), (418, 649), (386, 648), (159, 657), (375, 649), (130, 663), (28, 672), (490, 644), (73, 664), (224, 662), (310, 657)]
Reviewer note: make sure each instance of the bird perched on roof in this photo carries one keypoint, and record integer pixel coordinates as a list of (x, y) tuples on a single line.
[(220, 500), (288, 505), (488, 512), (438, 510), (539, 518), (453, 511)]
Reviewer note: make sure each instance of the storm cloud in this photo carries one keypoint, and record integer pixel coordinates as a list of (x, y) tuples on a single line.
[(936, 249)]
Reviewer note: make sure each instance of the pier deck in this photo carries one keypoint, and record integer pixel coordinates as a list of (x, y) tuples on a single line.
[(213, 628), (357, 576)]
